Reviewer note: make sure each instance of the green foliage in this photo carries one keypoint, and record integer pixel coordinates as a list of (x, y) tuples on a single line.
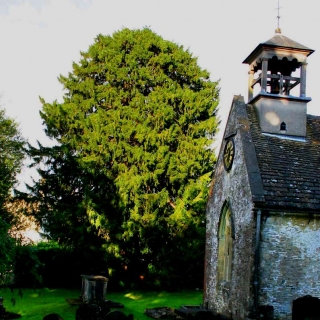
[(51, 265), (133, 163), (11, 157), (6, 254), (66, 196), (27, 267), (62, 267)]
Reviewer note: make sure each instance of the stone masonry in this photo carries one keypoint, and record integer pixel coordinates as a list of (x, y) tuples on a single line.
[(290, 260)]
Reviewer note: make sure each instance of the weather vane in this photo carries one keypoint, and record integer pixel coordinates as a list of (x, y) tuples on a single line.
[(278, 17)]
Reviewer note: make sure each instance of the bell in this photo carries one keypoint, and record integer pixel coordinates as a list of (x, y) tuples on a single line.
[(275, 88)]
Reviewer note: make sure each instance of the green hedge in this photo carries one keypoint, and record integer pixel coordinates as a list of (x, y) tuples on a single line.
[(52, 266), (48, 265)]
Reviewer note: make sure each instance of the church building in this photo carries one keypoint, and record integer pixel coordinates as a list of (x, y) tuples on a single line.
[(263, 211)]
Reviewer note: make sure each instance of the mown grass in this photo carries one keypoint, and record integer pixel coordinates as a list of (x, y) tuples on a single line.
[(35, 304)]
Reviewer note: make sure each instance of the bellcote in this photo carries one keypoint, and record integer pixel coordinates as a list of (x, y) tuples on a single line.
[(271, 65)]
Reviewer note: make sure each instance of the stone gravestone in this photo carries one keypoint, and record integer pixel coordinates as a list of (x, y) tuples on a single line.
[(95, 305), (93, 294), (94, 288)]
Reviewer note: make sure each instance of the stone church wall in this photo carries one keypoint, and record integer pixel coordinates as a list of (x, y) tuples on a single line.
[(233, 298), (290, 261)]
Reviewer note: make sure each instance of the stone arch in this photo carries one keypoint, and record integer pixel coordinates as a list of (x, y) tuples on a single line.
[(225, 243)]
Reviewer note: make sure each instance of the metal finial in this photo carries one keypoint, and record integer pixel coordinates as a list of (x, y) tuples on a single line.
[(278, 30)]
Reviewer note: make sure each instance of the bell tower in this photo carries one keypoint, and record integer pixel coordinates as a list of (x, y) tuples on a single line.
[(281, 110)]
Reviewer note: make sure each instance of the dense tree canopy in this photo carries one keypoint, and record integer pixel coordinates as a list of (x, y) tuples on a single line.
[(133, 160), (11, 157)]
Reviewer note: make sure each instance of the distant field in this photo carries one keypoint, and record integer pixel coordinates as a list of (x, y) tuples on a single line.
[(35, 304)]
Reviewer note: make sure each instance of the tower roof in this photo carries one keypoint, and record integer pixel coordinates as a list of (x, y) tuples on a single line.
[(278, 41)]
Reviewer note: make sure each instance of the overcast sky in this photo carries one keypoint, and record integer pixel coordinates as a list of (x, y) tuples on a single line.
[(41, 38)]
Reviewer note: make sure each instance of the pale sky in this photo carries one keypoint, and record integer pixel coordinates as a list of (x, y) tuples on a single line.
[(41, 38)]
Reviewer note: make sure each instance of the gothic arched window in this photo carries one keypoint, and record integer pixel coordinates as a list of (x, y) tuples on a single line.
[(225, 244)]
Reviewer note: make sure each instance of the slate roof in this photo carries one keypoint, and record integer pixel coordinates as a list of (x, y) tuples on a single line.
[(278, 41), (290, 169)]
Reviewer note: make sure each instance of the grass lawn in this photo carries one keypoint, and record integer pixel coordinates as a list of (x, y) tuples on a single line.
[(35, 304)]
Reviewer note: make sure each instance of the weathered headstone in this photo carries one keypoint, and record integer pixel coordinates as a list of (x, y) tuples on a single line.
[(95, 306), (94, 288)]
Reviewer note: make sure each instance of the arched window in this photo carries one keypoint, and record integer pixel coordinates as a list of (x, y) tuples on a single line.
[(283, 126), (225, 244)]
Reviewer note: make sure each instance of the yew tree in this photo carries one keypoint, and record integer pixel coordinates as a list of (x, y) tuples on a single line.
[(138, 117), (11, 158)]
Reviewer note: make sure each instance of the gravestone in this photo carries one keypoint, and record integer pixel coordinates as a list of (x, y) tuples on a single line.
[(94, 288), (95, 306)]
